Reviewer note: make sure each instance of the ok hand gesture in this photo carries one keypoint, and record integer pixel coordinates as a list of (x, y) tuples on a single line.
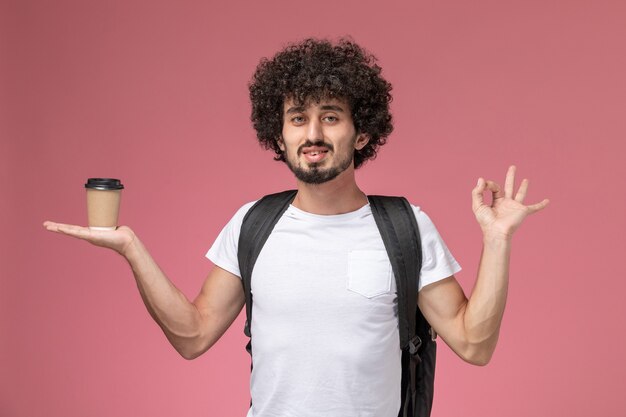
[(506, 212)]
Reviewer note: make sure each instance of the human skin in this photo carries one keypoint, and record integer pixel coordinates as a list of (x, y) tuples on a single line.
[(469, 326), (328, 122)]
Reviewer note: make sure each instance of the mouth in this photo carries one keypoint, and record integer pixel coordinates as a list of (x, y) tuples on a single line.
[(314, 154)]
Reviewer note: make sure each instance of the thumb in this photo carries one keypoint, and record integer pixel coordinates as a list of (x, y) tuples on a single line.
[(477, 194)]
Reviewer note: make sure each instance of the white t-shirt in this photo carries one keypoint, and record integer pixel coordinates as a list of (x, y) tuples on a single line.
[(324, 323)]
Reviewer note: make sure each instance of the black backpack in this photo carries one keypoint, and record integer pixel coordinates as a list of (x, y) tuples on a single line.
[(397, 225)]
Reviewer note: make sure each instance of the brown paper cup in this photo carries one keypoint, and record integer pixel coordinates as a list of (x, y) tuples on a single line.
[(103, 203)]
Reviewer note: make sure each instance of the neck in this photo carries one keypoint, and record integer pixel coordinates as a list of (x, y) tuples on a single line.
[(338, 196)]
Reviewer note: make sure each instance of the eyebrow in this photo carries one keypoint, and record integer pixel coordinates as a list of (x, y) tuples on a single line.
[(300, 109)]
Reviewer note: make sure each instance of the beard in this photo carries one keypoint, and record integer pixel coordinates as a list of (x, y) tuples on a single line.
[(315, 174)]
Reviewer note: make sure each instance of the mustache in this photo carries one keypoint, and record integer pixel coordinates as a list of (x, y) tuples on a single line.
[(319, 143)]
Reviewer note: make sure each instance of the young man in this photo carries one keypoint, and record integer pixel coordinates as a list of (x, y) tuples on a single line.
[(324, 324)]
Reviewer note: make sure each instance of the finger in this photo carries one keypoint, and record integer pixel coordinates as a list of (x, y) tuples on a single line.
[(539, 206), (521, 193), (75, 231), (509, 182), (69, 229), (477, 194), (494, 187), (52, 226)]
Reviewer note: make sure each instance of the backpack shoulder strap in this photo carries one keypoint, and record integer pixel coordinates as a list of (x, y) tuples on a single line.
[(256, 227), (398, 228)]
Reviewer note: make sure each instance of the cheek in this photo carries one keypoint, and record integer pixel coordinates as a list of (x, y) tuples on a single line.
[(289, 140)]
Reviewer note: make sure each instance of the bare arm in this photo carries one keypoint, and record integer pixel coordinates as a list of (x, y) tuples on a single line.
[(471, 327), (191, 327)]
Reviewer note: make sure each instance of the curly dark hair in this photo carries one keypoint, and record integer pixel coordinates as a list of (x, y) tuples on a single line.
[(314, 70)]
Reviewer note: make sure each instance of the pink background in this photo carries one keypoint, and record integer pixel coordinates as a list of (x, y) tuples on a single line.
[(155, 93)]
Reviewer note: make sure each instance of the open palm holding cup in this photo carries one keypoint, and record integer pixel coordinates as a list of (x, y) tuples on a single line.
[(103, 203), (118, 240)]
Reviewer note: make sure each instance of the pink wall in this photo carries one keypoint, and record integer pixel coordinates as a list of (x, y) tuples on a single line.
[(155, 93)]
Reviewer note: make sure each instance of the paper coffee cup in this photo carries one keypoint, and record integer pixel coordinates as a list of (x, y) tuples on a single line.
[(103, 203)]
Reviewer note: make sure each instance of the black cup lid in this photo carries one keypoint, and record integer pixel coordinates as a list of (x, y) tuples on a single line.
[(104, 184)]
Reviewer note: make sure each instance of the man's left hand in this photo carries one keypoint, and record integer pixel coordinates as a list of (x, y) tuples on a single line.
[(506, 213)]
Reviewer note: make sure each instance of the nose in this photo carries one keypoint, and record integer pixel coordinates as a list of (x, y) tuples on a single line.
[(314, 131)]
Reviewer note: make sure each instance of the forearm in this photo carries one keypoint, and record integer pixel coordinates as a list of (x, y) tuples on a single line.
[(168, 306), (485, 308), (477, 320)]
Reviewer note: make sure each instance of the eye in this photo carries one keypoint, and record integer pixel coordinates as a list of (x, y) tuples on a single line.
[(297, 120), (330, 119)]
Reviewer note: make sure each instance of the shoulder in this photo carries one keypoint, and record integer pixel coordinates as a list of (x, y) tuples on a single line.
[(243, 210), (429, 233), (424, 221), (235, 222)]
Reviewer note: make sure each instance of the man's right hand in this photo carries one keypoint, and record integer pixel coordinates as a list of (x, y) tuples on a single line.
[(119, 240)]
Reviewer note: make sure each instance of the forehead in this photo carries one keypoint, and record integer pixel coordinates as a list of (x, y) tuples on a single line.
[(291, 104)]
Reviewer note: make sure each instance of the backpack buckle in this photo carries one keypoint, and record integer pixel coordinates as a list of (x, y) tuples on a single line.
[(414, 345)]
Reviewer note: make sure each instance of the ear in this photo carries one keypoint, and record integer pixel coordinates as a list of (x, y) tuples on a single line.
[(361, 140), (281, 143)]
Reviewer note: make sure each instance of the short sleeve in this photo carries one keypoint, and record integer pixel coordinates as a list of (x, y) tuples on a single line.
[(223, 252), (437, 261)]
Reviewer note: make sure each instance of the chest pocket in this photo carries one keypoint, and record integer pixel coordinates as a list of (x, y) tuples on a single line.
[(369, 273)]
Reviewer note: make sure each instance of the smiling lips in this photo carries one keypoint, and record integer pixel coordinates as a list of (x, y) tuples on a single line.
[(314, 153)]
